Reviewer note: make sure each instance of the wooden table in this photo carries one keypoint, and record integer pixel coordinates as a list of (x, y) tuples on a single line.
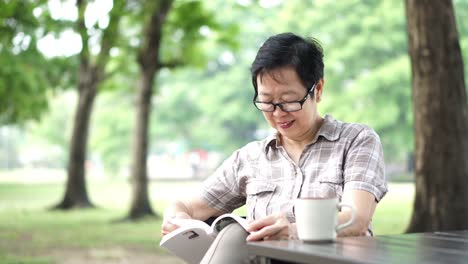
[(439, 247)]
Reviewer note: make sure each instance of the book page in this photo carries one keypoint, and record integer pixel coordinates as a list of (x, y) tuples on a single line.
[(193, 237), (189, 243), (226, 219), (192, 223)]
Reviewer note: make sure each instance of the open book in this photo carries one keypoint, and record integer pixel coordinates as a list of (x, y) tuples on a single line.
[(193, 238)]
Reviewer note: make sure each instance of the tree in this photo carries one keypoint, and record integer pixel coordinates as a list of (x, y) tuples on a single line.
[(441, 117), (150, 63), (171, 39), (91, 74)]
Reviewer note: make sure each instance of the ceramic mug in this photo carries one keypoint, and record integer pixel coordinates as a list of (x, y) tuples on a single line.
[(317, 218)]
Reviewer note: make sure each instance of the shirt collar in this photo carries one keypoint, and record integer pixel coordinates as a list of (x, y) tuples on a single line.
[(271, 142), (330, 130)]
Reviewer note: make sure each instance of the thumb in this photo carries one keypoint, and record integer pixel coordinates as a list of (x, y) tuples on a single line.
[(182, 215)]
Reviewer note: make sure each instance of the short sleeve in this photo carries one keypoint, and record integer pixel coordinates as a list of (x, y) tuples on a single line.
[(364, 167), (222, 189)]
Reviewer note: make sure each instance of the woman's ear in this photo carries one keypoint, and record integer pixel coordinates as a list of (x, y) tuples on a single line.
[(319, 90)]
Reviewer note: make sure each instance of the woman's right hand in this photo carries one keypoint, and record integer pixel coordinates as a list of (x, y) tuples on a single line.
[(167, 225)]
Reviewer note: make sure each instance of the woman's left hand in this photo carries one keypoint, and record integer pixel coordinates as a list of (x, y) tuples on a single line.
[(272, 227)]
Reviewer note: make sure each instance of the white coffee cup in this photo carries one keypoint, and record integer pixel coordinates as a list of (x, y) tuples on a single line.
[(317, 218)]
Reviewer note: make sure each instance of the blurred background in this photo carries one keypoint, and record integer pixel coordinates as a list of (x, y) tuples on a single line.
[(72, 81)]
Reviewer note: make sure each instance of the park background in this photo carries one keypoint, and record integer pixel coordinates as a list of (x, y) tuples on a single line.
[(201, 111)]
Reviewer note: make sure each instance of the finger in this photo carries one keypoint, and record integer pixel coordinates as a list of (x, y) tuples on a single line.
[(181, 221), (267, 231), (261, 223), (277, 231), (282, 234), (267, 221), (277, 236), (167, 228)]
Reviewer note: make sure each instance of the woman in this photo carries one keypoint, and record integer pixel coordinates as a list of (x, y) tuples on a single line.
[(309, 156)]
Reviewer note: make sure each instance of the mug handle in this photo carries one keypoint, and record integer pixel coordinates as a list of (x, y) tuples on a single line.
[(350, 221)]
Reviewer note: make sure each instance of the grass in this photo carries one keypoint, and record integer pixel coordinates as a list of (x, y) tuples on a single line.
[(393, 212), (30, 233)]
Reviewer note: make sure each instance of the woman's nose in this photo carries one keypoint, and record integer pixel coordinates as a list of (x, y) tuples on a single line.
[(278, 111)]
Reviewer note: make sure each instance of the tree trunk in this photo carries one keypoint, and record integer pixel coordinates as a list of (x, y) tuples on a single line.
[(441, 117), (140, 200), (149, 64), (91, 73), (76, 195)]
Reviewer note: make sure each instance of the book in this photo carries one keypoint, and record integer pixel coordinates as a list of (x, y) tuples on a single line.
[(192, 239)]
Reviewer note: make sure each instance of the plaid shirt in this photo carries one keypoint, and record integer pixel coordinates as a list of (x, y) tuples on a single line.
[(342, 157)]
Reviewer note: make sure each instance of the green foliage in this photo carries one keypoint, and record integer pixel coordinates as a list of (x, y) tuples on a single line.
[(52, 134), (207, 104), (208, 114), (111, 131), (25, 82), (22, 88), (461, 9), (16, 17), (192, 31)]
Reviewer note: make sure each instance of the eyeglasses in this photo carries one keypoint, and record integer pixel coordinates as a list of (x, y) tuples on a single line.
[(293, 106)]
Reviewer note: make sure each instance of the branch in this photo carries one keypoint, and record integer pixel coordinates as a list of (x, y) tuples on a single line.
[(81, 28), (170, 64), (110, 34), (149, 51)]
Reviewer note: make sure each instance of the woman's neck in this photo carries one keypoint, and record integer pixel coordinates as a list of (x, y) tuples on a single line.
[(308, 137)]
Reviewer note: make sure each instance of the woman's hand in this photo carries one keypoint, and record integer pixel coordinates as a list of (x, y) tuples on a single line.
[(192, 208), (272, 227), (168, 226)]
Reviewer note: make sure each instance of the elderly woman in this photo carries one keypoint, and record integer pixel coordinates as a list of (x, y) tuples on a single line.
[(309, 156)]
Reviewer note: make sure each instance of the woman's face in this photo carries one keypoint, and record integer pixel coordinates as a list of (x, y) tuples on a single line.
[(283, 85)]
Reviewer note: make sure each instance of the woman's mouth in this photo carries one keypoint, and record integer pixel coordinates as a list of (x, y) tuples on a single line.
[(285, 125)]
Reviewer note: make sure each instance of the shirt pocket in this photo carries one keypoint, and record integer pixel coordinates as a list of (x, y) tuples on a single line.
[(329, 183), (259, 194), (332, 187)]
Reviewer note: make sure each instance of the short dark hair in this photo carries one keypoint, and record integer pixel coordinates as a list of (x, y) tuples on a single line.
[(305, 56)]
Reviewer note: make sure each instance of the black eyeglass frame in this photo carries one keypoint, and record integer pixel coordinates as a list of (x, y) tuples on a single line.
[(280, 105)]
